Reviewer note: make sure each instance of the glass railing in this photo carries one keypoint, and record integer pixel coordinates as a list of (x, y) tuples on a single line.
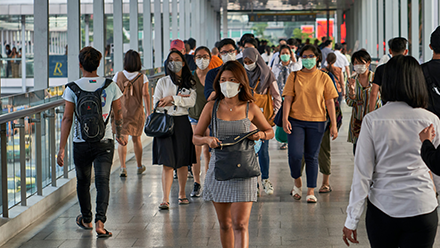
[(12, 67), (30, 128)]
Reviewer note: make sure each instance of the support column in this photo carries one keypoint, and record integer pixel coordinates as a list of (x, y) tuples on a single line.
[(428, 28), (339, 21), (174, 19), (98, 32), (225, 19), (41, 53), (23, 53), (388, 23), (415, 52), (380, 27), (157, 34), (86, 30), (364, 31), (203, 23), (166, 24), (404, 18), (118, 41), (195, 16), (188, 20), (396, 20), (134, 27), (182, 25), (148, 30), (373, 28)]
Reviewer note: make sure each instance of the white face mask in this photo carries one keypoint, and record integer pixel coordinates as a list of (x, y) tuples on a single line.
[(250, 67), (229, 89), (229, 57), (202, 63), (360, 69)]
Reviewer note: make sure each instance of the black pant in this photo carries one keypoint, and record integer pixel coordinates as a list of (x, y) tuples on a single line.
[(101, 155), (385, 231)]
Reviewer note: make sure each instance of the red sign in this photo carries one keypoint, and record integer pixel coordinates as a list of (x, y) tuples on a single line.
[(322, 27)]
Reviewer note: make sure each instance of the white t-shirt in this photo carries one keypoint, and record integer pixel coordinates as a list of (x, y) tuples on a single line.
[(129, 76), (110, 94)]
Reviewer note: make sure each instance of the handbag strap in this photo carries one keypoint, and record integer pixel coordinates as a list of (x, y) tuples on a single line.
[(214, 118)]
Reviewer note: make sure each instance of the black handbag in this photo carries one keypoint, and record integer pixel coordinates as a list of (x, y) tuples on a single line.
[(159, 125), (235, 157)]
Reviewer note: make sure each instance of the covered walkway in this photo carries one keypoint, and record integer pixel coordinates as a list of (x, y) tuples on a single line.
[(276, 221)]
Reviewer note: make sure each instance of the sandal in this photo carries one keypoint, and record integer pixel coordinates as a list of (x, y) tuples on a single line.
[(80, 222), (296, 193), (183, 201), (107, 234), (164, 206), (325, 189), (311, 199)]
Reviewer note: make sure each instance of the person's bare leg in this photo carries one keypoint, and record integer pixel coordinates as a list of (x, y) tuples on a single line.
[(298, 182), (240, 212), (224, 217), (167, 181), (122, 151), (182, 173), (137, 146), (325, 180)]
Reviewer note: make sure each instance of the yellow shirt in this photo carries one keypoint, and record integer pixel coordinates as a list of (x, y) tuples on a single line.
[(310, 90)]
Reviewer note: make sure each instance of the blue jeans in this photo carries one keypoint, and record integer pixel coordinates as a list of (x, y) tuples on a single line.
[(264, 159), (305, 139), (101, 155)]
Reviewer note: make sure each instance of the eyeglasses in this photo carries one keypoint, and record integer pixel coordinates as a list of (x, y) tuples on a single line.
[(226, 52), (202, 57), (308, 56)]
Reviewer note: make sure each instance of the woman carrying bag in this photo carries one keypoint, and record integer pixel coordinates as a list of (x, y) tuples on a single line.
[(267, 97), (234, 112), (175, 93)]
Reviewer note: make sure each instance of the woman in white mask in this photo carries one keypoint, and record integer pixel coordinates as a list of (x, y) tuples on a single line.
[(202, 57), (236, 112), (268, 98), (176, 94), (359, 90)]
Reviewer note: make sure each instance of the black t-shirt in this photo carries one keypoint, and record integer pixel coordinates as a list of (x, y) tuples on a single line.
[(378, 74), (433, 68)]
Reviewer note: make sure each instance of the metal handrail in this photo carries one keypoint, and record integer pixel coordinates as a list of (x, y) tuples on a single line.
[(42, 114)]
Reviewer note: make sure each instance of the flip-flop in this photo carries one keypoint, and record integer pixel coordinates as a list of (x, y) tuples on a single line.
[(79, 222), (183, 201), (311, 199), (164, 206), (107, 234), (325, 189)]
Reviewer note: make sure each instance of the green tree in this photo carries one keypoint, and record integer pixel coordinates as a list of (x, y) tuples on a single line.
[(299, 34), (259, 29), (288, 28)]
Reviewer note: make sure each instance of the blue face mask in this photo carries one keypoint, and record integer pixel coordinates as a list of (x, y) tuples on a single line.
[(309, 63)]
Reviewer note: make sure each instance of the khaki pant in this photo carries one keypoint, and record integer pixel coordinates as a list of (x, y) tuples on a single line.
[(15, 70), (324, 159)]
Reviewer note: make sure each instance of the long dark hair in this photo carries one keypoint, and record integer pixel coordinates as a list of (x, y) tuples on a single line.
[(240, 74), (403, 80), (331, 59), (187, 80)]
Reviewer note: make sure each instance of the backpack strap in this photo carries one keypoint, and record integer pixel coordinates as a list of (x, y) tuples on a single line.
[(75, 88), (428, 76)]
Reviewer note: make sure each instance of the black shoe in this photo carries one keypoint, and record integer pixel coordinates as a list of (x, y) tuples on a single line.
[(175, 174), (197, 190)]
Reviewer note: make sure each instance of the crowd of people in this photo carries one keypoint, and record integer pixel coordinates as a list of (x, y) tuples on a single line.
[(247, 90), (12, 65)]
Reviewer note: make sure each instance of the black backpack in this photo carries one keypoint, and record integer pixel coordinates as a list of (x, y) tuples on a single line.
[(434, 92), (88, 111)]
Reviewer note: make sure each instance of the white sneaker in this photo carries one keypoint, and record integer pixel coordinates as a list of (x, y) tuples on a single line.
[(267, 186)]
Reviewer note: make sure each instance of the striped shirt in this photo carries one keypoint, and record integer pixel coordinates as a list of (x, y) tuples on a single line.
[(360, 103)]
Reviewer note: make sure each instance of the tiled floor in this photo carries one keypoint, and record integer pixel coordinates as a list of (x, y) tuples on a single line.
[(276, 221)]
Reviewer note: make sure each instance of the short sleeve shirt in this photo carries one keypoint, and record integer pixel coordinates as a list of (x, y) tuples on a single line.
[(378, 74), (310, 91), (110, 94)]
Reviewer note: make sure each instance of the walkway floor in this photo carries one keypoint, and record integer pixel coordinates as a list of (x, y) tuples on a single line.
[(276, 220)]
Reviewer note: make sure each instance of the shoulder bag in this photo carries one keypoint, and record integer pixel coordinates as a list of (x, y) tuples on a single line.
[(235, 157), (159, 125)]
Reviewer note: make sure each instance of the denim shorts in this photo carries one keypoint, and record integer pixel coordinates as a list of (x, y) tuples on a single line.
[(193, 121)]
